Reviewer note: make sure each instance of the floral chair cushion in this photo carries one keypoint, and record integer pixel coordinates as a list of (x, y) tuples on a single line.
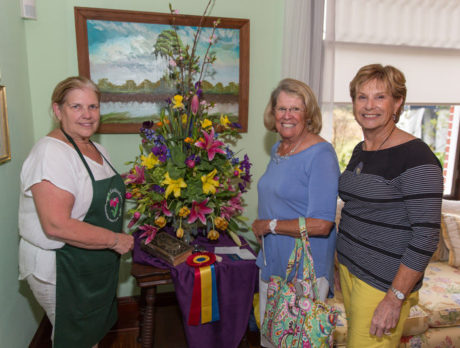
[(440, 294), (451, 236), (446, 337)]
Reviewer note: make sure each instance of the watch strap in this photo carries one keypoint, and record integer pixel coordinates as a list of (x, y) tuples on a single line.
[(272, 225), (399, 295)]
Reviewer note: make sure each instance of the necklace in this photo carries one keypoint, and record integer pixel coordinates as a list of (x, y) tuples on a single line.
[(359, 167), (278, 158)]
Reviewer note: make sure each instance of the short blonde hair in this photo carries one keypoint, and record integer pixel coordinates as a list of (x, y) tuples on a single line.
[(392, 77), (300, 89)]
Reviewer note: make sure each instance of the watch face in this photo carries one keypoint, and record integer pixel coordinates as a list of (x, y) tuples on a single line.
[(399, 295)]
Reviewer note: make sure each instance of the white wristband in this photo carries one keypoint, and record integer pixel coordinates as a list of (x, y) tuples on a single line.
[(272, 226)]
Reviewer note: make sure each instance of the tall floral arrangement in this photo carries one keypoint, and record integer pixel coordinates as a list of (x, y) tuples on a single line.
[(186, 176)]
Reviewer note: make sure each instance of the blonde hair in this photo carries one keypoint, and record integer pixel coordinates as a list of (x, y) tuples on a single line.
[(73, 82), (312, 111), (393, 79)]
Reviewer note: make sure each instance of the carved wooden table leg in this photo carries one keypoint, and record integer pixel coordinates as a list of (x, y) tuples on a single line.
[(148, 325), (148, 278)]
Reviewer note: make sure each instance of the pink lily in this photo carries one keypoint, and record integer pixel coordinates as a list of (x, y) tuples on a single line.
[(195, 104), (198, 211), (136, 176), (164, 208), (136, 217), (210, 145), (233, 207), (149, 232)]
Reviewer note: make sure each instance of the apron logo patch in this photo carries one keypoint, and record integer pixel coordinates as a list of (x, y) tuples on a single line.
[(113, 205)]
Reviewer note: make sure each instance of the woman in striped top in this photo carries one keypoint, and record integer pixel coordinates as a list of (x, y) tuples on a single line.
[(392, 189)]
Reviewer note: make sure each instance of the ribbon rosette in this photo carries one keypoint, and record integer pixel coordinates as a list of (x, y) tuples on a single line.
[(205, 306)]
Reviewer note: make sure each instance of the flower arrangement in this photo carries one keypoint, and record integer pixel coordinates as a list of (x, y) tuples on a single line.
[(186, 176)]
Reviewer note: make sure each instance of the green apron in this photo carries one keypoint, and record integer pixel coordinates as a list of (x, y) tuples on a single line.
[(87, 280)]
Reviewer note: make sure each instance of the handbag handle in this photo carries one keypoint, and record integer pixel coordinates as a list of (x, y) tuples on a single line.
[(308, 265), (302, 246)]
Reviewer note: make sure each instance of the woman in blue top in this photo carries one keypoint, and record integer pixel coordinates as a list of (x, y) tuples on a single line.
[(300, 181)]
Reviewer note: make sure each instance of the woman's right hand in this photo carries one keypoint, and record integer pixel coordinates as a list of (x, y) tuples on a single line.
[(124, 243), (260, 228)]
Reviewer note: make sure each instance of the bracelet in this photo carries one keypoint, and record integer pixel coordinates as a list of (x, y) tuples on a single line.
[(116, 241)]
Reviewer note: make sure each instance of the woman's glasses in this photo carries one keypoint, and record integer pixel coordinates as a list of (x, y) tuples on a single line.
[(292, 110)]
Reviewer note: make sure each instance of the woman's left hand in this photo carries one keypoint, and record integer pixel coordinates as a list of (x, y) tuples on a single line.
[(386, 316), (260, 228)]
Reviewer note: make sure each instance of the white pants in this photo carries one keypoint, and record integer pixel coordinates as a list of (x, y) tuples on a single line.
[(323, 290), (45, 293)]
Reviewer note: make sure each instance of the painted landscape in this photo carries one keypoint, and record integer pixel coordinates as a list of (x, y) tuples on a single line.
[(129, 65)]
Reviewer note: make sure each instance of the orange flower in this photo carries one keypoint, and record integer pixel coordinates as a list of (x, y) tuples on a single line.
[(213, 235), (221, 223), (160, 221), (180, 232), (188, 140)]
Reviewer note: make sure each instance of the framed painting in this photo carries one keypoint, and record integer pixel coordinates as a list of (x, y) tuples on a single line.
[(5, 152), (121, 52)]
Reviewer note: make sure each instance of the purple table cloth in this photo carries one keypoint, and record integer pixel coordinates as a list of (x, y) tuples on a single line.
[(236, 284)]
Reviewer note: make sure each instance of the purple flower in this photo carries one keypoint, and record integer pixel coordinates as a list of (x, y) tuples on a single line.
[(147, 124), (168, 100), (236, 125), (229, 152), (158, 189), (245, 164), (161, 151)]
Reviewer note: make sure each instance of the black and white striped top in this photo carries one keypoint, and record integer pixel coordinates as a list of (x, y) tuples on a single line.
[(392, 212)]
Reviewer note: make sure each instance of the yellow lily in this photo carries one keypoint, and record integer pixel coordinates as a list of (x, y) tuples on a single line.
[(150, 161), (209, 184), (174, 185), (224, 121), (184, 118), (206, 123), (177, 101)]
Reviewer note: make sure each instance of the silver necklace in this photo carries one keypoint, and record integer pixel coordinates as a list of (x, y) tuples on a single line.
[(359, 167), (278, 158)]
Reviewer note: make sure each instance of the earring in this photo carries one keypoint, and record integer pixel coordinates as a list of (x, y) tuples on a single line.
[(394, 117)]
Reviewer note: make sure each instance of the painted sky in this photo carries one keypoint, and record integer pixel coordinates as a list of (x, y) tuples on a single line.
[(123, 51)]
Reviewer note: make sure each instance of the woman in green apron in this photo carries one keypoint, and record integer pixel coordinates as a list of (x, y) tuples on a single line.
[(71, 215)]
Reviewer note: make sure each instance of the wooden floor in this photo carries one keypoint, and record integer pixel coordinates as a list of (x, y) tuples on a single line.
[(169, 332)]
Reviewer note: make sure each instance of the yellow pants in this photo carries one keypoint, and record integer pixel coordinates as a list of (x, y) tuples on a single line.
[(361, 300)]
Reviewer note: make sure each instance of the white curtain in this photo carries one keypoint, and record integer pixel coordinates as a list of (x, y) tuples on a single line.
[(306, 57), (302, 42)]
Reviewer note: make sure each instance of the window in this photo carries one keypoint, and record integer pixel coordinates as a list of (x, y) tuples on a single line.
[(422, 39), (438, 126)]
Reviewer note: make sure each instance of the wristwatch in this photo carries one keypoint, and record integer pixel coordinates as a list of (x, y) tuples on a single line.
[(399, 295), (272, 226)]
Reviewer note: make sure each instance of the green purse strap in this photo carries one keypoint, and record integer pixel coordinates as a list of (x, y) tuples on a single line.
[(302, 246)]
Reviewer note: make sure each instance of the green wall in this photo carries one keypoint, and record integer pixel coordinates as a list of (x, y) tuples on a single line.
[(36, 54), (19, 314)]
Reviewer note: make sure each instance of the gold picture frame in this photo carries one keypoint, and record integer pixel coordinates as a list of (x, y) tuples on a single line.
[(5, 151)]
